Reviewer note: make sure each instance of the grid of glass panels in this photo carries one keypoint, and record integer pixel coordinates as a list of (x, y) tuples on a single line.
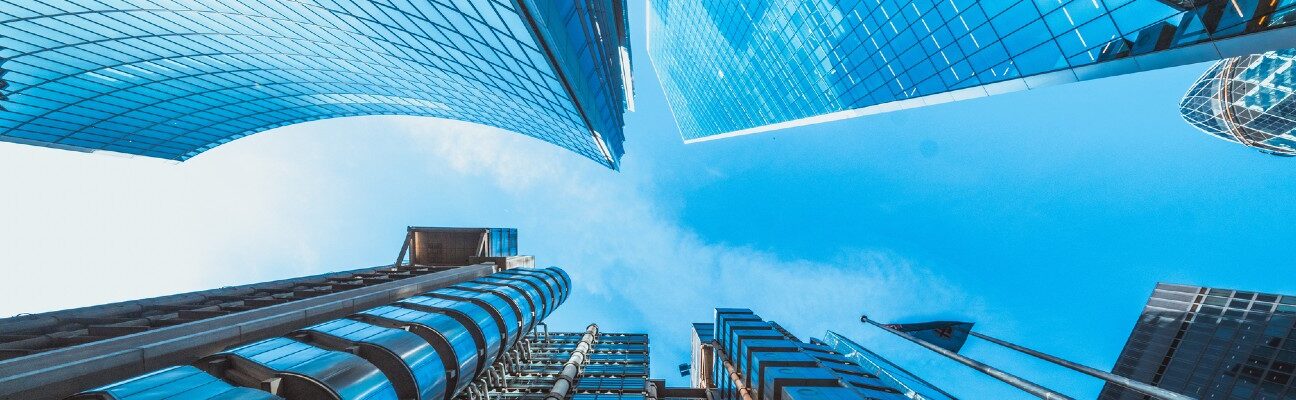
[(732, 66), (1248, 100), (744, 340), (1212, 344), (173, 78)]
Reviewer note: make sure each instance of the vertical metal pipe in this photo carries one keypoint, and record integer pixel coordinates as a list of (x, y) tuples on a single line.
[(734, 375), (567, 378), (650, 390), (1155, 392), (1015, 381)]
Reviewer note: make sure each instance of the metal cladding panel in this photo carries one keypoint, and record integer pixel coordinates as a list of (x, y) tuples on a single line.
[(347, 375), (182, 382), (532, 291), (554, 277), (423, 374), (511, 303), (566, 279), (749, 346), (732, 332), (543, 292), (775, 379), (480, 318), (500, 308), (517, 293), (763, 360), (445, 333)]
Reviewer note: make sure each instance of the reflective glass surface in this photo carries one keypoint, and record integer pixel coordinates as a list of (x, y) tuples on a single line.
[(1211, 343), (171, 79), (733, 67), (1248, 100), (185, 381)]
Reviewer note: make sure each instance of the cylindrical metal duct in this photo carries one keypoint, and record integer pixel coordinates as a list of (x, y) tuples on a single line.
[(571, 369), (442, 342)]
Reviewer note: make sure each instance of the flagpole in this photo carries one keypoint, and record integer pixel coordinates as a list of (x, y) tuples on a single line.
[(1015, 381), (1155, 392)]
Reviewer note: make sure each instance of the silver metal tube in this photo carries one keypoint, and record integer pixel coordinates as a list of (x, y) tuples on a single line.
[(566, 379), (650, 390), (734, 375), (1155, 392), (1014, 380)]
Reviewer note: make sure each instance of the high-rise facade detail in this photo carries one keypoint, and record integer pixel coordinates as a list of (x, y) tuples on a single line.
[(733, 68), (173, 79), (1248, 100), (1212, 343), (445, 320), (740, 356)]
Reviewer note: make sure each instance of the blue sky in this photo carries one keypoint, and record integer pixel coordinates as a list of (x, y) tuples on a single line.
[(1044, 216)]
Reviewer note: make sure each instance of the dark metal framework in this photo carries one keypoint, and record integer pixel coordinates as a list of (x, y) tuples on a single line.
[(153, 333), (616, 367), (30, 334)]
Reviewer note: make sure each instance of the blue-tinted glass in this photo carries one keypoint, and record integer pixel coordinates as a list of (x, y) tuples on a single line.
[(734, 67), (172, 79)]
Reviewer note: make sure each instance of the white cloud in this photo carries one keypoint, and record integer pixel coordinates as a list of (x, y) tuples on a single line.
[(333, 195), (638, 269)]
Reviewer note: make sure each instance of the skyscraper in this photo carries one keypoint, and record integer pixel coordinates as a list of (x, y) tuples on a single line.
[(447, 319), (1248, 100), (740, 356), (1212, 343), (458, 316), (734, 68), (173, 79)]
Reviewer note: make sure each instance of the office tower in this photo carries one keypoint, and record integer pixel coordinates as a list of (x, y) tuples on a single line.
[(734, 68), (171, 79), (739, 356), (1211, 343), (447, 319), (611, 366), (1247, 100)]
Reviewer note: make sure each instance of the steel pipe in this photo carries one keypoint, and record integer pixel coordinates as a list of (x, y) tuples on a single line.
[(1014, 380), (1153, 391), (566, 379), (735, 376)]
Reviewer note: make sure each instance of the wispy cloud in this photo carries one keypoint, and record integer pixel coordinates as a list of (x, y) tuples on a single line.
[(328, 196), (636, 268)]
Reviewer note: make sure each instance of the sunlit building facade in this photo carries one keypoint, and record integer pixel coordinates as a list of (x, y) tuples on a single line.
[(1211, 343), (740, 356), (1248, 100), (733, 68), (173, 79)]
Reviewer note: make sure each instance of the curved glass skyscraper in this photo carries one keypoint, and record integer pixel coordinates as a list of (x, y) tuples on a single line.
[(171, 79), (1249, 100), (740, 67)]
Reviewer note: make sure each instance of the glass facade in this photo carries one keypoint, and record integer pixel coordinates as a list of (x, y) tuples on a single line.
[(731, 68), (1248, 100), (1211, 343), (741, 356), (912, 386), (171, 79)]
